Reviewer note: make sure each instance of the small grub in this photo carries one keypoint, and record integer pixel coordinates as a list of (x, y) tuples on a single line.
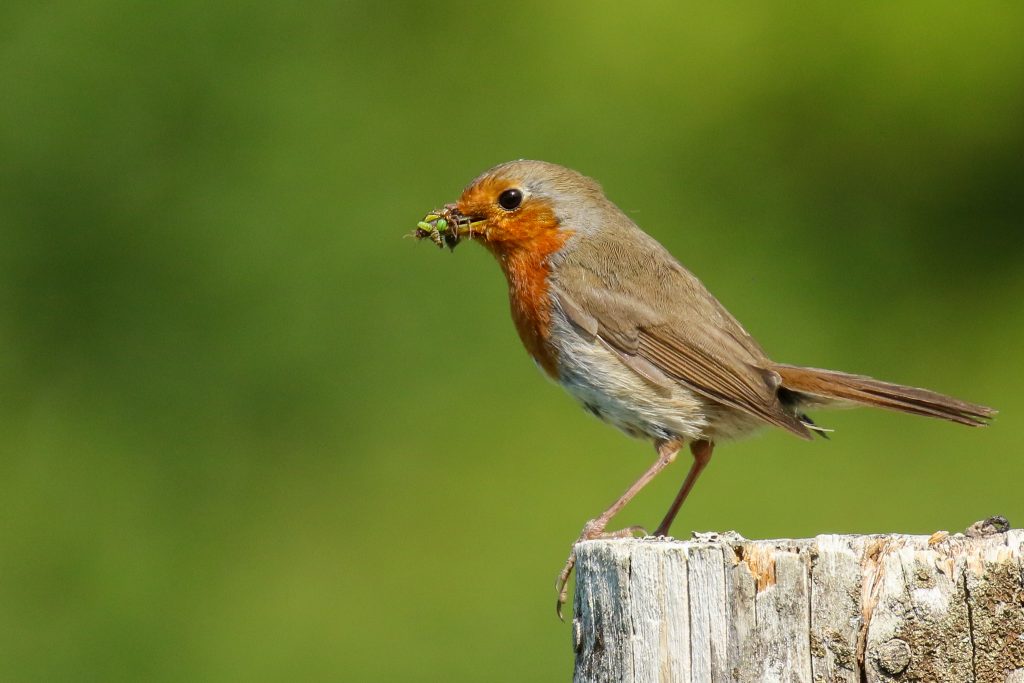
[(443, 227)]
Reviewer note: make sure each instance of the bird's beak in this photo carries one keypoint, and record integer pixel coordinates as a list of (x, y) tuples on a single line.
[(447, 226), (468, 226)]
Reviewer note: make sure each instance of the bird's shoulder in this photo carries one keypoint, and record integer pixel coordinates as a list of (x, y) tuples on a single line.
[(624, 289), (628, 281)]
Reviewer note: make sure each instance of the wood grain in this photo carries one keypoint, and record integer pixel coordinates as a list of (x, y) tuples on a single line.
[(882, 609)]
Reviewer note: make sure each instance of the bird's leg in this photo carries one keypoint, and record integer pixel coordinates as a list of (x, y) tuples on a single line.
[(701, 457), (667, 451)]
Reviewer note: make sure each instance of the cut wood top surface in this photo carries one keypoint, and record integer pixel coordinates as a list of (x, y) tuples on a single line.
[(887, 607)]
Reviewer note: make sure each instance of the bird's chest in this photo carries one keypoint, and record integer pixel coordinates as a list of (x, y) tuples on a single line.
[(531, 307)]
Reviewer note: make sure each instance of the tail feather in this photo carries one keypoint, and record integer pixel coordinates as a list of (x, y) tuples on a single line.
[(826, 386)]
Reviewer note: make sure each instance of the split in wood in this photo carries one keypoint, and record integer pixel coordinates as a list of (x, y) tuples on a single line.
[(832, 608)]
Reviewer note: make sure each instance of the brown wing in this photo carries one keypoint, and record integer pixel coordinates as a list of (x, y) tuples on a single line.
[(661, 321)]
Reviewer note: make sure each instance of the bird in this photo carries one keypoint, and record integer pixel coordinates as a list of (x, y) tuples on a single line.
[(636, 338)]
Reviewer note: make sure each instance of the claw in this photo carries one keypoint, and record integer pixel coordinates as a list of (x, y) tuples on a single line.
[(591, 530), (562, 583)]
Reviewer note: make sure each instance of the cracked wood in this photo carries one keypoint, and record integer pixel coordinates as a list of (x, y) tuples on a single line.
[(850, 609)]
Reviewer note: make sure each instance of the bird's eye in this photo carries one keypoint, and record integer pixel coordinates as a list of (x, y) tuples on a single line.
[(510, 199)]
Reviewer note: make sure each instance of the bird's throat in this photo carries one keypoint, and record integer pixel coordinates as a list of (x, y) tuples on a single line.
[(527, 269)]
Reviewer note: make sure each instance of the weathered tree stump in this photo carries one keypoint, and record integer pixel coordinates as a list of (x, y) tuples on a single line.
[(832, 608)]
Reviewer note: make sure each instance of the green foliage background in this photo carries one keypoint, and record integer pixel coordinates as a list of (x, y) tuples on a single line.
[(250, 433)]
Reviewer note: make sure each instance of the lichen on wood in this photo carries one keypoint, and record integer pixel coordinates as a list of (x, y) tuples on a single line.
[(885, 608)]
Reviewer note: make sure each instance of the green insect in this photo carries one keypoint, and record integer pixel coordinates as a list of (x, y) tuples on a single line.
[(438, 228), (434, 227)]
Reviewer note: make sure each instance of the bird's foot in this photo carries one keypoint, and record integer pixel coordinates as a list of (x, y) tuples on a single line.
[(594, 529)]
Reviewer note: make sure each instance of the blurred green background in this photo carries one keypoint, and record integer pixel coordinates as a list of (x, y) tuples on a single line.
[(248, 432)]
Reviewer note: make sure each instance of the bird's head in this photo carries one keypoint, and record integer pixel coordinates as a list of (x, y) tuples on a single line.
[(518, 206)]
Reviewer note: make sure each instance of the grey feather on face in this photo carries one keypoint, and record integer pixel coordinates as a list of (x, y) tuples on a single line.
[(579, 201)]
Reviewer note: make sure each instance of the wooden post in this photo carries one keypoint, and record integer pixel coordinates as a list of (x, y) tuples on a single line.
[(832, 608)]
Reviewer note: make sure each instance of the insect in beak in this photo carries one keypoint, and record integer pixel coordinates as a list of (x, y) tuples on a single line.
[(446, 227)]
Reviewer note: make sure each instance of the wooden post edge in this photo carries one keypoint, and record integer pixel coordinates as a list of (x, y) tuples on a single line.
[(876, 608)]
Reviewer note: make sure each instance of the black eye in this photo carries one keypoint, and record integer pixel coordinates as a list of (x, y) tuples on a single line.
[(510, 199)]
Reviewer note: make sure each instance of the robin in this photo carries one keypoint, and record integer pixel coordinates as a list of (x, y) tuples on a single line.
[(631, 334)]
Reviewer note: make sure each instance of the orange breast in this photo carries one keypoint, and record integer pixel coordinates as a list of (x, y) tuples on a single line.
[(523, 242), (526, 265), (531, 306)]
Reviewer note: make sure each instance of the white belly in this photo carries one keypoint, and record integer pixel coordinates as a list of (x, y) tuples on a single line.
[(617, 395)]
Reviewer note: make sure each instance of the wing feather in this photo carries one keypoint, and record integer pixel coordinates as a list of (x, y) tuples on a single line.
[(664, 325)]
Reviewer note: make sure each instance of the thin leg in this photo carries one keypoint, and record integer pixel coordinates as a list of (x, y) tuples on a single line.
[(701, 457), (667, 451)]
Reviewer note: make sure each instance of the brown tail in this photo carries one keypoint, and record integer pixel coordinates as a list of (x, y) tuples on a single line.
[(826, 386)]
